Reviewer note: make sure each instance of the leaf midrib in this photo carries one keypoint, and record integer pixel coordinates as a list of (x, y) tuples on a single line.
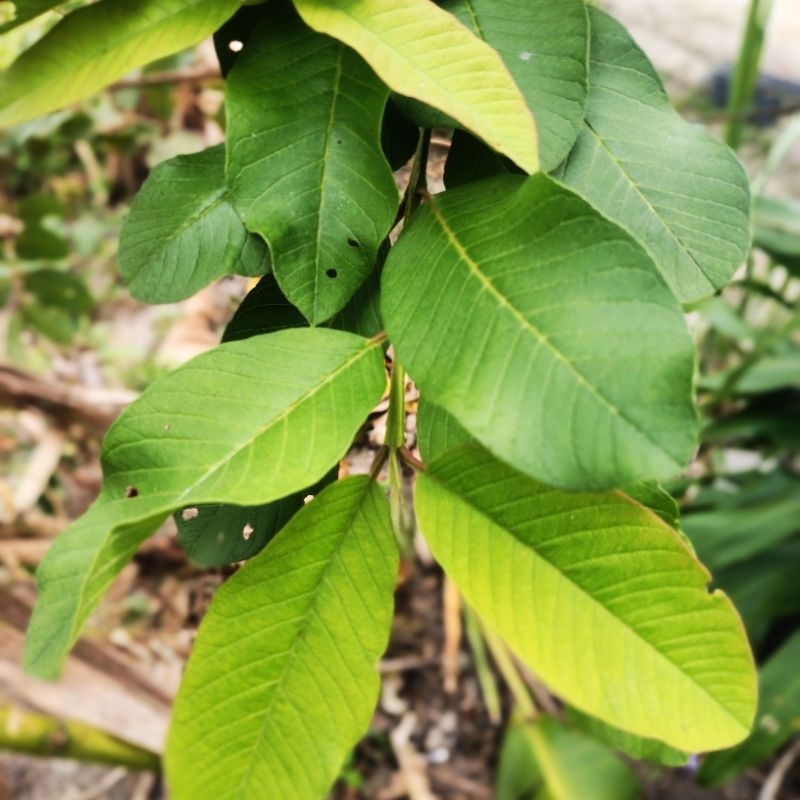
[(526, 324), (287, 410), (490, 518), (308, 618)]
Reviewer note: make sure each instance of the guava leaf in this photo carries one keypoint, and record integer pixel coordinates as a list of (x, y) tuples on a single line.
[(282, 682), (423, 52), (182, 231), (600, 597), (562, 764), (674, 188), (94, 46), (305, 165), (221, 533), (437, 431), (545, 46), (546, 331), (776, 721), (635, 746), (246, 423), (26, 10)]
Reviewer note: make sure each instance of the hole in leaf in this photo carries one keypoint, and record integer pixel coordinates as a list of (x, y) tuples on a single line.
[(331, 273), (131, 491), (247, 531), (235, 46), (354, 243), (189, 513)]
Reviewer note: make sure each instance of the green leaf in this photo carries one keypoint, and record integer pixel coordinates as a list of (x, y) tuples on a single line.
[(545, 47), (597, 595), (423, 52), (37, 241), (768, 373), (560, 764), (282, 682), (305, 112), (52, 287), (505, 301), (26, 10), (437, 431), (266, 309), (679, 192), (470, 160), (776, 229), (764, 588), (755, 519), (246, 423), (182, 231), (776, 721), (220, 533), (635, 746), (93, 47)]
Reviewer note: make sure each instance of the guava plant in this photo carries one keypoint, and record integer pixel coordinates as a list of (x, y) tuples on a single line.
[(536, 304)]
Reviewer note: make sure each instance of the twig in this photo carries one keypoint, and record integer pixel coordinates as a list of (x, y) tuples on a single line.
[(24, 731), (452, 635), (772, 785), (198, 74), (66, 403)]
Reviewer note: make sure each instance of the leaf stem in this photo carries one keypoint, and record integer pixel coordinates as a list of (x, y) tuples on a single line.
[(525, 706)]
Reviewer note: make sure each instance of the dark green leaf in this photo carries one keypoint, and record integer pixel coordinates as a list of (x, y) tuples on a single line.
[(755, 519), (305, 111), (218, 534), (182, 231), (505, 300), (678, 191), (37, 241)]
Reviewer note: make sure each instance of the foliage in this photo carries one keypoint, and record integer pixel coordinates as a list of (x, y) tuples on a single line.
[(536, 303)]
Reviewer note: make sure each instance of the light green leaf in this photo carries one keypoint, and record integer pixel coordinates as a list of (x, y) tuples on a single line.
[(776, 721), (282, 682), (26, 10), (545, 46), (94, 46), (246, 423), (679, 192), (635, 746), (305, 164), (557, 763), (597, 595), (423, 52), (545, 330), (776, 229), (182, 231)]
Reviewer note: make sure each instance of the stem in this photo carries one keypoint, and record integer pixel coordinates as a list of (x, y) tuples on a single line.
[(36, 734), (491, 697), (418, 180), (745, 74), (396, 419), (502, 658)]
